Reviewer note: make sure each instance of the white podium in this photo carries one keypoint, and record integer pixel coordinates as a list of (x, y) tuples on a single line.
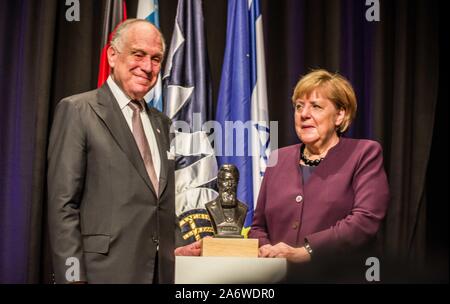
[(228, 270)]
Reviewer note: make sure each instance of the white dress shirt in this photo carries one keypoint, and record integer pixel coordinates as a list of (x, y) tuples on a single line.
[(123, 100)]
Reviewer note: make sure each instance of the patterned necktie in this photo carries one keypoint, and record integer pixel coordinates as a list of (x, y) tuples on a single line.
[(142, 143)]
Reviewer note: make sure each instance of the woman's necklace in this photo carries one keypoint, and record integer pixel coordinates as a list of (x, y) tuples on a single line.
[(309, 162)]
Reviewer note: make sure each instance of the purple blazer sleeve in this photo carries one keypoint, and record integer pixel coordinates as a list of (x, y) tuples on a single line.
[(371, 196)]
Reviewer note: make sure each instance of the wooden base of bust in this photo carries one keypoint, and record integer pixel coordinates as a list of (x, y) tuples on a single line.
[(230, 247)]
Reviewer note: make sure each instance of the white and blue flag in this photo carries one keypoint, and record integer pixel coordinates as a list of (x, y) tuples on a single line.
[(148, 9), (188, 102), (242, 101)]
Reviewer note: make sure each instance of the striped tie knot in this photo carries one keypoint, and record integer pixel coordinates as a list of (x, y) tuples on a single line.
[(136, 105)]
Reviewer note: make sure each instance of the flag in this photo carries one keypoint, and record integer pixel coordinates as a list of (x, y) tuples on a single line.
[(242, 101), (148, 10), (115, 13), (188, 102)]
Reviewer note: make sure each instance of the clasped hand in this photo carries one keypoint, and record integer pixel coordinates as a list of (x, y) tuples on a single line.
[(282, 250), (194, 249)]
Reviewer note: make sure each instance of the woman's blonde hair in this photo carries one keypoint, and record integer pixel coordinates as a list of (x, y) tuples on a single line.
[(334, 87)]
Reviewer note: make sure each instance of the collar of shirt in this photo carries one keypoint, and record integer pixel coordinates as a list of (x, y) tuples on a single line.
[(120, 96), (123, 100)]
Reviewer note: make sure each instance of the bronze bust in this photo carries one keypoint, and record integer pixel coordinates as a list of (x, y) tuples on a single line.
[(226, 212)]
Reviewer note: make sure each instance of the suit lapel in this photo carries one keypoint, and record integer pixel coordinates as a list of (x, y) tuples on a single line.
[(297, 164), (163, 147), (109, 111), (332, 159)]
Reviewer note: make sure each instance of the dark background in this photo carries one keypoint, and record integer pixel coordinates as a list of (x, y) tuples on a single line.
[(395, 66)]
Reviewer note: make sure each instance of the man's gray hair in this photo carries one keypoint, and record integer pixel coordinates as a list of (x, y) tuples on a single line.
[(117, 38)]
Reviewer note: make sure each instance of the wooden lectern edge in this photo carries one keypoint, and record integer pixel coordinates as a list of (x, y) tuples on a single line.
[(229, 247)]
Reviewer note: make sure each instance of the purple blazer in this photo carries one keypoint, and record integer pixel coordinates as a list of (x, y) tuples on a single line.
[(340, 207)]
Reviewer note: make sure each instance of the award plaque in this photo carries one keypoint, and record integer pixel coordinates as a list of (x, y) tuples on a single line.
[(227, 216)]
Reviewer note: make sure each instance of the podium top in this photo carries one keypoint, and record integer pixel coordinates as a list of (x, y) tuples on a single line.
[(229, 270)]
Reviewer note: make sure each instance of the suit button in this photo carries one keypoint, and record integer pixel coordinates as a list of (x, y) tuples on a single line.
[(155, 240), (295, 225), (299, 199)]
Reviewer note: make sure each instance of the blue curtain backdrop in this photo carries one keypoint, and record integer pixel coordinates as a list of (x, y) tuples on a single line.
[(393, 64)]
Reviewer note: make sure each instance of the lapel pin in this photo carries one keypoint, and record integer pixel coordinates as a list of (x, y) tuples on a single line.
[(157, 130)]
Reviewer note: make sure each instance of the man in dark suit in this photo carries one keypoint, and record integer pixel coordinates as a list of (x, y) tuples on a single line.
[(110, 175)]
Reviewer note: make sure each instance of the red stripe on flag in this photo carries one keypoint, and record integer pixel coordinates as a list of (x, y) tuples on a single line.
[(104, 68)]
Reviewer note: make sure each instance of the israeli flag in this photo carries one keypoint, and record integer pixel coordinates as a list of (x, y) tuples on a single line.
[(242, 100)]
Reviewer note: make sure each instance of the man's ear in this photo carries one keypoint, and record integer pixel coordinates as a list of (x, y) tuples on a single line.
[(112, 56)]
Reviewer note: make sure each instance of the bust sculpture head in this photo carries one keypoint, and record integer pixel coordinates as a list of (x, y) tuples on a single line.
[(226, 212), (227, 181)]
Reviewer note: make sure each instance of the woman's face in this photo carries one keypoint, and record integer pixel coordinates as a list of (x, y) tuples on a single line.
[(316, 119)]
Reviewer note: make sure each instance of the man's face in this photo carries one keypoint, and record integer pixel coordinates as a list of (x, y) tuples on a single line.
[(227, 182), (136, 62), (227, 188)]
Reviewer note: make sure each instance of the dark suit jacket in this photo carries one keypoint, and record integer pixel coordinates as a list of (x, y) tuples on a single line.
[(102, 207), (338, 210)]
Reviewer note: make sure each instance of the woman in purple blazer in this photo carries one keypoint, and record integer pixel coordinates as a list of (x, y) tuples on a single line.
[(326, 196)]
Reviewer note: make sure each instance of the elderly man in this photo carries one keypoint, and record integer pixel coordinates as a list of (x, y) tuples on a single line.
[(110, 182)]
